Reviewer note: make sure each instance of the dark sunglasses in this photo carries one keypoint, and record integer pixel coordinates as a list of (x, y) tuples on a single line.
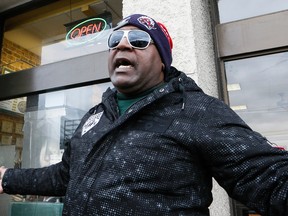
[(137, 39)]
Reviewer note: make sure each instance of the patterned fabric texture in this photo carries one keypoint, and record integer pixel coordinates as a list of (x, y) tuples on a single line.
[(159, 158)]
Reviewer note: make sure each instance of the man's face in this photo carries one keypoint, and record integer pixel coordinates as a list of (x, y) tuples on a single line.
[(133, 71)]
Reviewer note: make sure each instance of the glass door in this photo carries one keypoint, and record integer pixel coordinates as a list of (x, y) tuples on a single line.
[(33, 133)]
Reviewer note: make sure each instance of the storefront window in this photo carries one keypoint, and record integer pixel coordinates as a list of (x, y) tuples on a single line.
[(11, 139), (258, 92), (33, 133), (232, 10), (58, 31)]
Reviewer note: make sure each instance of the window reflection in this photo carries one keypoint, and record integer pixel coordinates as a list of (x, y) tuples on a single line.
[(11, 131), (51, 119), (231, 10), (65, 50), (43, 33), (11, 139), (258, 92)]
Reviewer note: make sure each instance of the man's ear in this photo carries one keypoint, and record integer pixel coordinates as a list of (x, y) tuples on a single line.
[(163, 67)]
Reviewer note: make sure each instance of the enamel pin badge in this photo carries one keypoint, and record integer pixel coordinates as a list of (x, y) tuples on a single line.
[(91, 122)]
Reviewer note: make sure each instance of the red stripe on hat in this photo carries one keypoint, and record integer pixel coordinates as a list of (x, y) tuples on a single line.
[(165, 31)]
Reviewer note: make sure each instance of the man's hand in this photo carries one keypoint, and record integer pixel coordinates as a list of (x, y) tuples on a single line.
[(2, 171)]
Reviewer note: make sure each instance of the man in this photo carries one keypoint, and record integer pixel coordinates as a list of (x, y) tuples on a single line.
[(153, 144)]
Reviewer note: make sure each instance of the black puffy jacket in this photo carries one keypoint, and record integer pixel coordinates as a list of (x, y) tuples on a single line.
[(159, 158)]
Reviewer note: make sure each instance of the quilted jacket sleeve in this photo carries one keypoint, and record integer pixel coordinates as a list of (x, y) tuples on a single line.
[(243, 162), (48, 181)]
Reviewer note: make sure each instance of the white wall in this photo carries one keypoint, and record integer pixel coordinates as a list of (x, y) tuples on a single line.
[(188, 22)]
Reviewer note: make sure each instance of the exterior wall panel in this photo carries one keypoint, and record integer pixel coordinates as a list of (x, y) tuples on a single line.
[(252, 35)]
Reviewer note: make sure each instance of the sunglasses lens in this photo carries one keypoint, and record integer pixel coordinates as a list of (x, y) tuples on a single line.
[(139, 39), (115, 39)]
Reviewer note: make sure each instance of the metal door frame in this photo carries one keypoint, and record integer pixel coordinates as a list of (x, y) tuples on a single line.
[(75, 72)]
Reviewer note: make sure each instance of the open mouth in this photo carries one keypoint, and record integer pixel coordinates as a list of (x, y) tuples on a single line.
[(123, 63)]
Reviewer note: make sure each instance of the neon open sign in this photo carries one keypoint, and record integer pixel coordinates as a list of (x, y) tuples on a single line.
[(86, 31)]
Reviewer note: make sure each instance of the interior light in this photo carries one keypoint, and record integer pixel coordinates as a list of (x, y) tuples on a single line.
[(239, 107), (233, 87)]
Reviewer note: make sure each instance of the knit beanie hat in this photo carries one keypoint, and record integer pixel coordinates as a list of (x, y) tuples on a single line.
[(157, 31)]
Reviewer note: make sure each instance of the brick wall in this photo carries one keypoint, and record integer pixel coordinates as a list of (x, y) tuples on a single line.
[(16, 58)]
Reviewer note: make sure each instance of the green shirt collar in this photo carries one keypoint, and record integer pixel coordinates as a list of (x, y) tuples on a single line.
[(124, 102)]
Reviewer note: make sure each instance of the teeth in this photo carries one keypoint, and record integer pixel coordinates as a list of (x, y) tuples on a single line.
[(124, 66)]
